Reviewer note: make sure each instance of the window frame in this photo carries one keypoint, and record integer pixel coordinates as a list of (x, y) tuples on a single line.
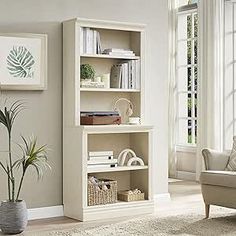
[(191, 9), (227, 142)]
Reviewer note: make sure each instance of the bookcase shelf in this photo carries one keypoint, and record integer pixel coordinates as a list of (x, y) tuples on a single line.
[(123, 128), (104, 56), (79, 140), (109, 90), (119, 168), (119, 203), (143, 207)]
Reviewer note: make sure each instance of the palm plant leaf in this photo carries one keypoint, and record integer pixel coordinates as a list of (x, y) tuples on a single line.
[(34, 156), (4, 168), (3, 118), (8, 120), (15, 109), (20, 62), (8, 115)]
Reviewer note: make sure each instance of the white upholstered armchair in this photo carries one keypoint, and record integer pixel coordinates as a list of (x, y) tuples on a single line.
[(218, 184)]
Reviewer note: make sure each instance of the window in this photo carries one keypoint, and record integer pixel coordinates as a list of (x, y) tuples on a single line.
[(187, 75), (185, 3), (230, 75)]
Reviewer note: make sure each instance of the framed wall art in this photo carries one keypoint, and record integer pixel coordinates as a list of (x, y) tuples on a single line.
[(23, 61)]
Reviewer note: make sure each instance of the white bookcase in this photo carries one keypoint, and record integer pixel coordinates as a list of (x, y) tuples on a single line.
[(78, 139)]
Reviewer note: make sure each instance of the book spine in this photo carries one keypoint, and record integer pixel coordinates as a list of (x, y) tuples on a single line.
[(90, 41), (94, 42), (86, 40), (134, 77), (99, 46), (138, 74), (126, 76), (123, 76), (121, 54), (130, 74), (81, 40), (117, 50), (102, 153), (101, 162), (93, 158), (120, 76), (91, 167)]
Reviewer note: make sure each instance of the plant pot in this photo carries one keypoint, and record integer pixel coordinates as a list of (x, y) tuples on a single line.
[(13, 217)]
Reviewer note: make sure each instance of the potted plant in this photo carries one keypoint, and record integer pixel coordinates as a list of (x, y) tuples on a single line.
[(13, 211), (87, 72)]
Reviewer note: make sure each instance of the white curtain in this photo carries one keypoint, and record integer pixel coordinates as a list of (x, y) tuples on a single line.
[(210, 103)]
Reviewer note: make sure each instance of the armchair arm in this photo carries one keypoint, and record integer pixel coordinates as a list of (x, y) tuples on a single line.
[(215, 160)]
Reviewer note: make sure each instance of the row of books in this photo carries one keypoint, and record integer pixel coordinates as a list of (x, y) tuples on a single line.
[(90, 42), (101, 160), (118, 52), (126, 75)]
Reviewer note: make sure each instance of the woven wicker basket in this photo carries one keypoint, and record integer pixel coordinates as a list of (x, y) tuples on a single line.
[(102, 197), (123, 196)]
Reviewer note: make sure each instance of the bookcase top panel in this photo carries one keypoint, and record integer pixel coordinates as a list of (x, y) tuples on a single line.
[(103, 24)]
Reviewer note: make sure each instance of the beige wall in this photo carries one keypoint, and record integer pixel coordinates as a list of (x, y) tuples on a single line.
[(44, 116), (186, 161)]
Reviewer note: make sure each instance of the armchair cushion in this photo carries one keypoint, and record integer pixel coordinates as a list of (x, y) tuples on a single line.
[(219, 178), (231, 166), (215, 160)]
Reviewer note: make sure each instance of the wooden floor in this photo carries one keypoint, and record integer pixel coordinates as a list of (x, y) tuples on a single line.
[(184, 195)]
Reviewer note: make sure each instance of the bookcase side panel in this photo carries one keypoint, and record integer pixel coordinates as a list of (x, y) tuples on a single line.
[(140, 179), (143, 75), (73, 171), (70, 75)]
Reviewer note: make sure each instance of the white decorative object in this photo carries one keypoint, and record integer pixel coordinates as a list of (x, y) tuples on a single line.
[(98, 79), (106, 80), (128, 153), (23, 61), (129, 111), (134, 120), (134, 191), (91, 84)]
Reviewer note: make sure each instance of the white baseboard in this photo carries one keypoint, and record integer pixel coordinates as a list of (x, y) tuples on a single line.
[(45, 212), (161, 197), (184, 175)]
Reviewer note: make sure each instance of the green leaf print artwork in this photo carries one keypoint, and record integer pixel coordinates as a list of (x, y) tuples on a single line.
[(20, 62)]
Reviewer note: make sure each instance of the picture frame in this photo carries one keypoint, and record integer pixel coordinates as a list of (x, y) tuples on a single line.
[(23, 61)]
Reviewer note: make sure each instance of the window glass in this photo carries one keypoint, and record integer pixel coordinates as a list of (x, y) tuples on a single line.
[(187, 76)]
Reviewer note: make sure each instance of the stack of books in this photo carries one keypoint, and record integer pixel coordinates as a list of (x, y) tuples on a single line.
[(126, 75), (90, 42), (118, 52), (101, 160)]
